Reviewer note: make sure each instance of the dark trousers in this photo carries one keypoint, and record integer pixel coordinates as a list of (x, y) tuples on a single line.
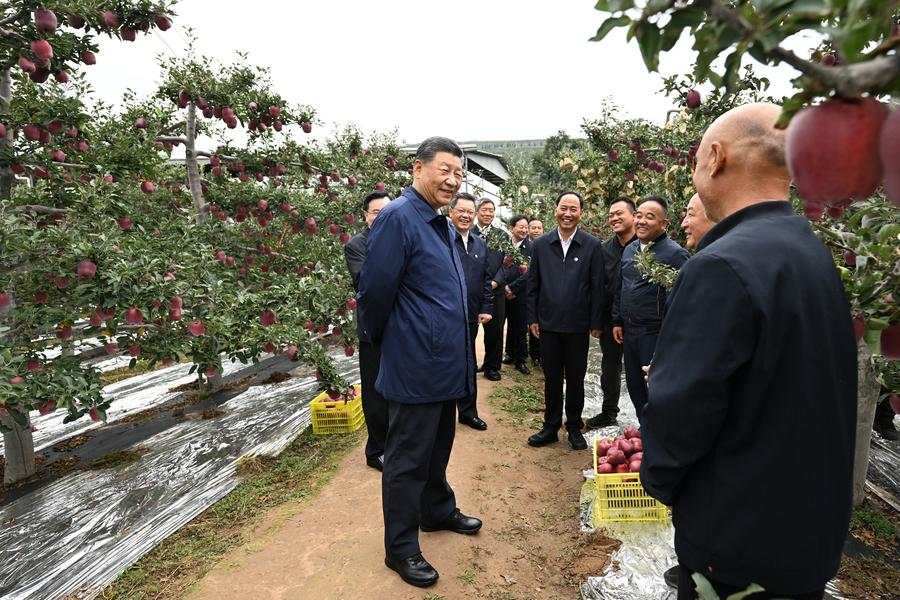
[(687, 589), (565, 357), (467, 408), (517, 330), (493, 335), (638, 351), (375, 407), (414, 488), (534, 347), (610, 372)]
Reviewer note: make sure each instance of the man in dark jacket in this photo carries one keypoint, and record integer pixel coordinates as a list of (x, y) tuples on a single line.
[(749, 429), (374, 406), (639, 306), (493, 329), (621, 220), (473, 254), (565, 304), (516, 291), (535, 230), (412, 300)]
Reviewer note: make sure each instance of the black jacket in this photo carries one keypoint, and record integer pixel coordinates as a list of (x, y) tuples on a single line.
[(495, 261), (612, 263), (566, 295), (749, 429), (640, 305), (355, 254), (480, 296), (516, 279)]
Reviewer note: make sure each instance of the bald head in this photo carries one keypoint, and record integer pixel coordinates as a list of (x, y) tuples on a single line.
[(741, 160)]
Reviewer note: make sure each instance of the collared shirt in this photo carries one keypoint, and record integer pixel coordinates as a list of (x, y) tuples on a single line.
[(565, 243), (519, 243), (465, 240)]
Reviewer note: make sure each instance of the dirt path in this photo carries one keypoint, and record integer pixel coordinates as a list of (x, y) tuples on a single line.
[(530, 547)]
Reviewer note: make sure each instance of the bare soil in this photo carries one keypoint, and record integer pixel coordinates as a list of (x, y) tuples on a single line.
[(530, 547)]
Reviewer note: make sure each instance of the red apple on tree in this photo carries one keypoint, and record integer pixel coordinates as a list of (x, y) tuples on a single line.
[(196, 328), (267, 317)]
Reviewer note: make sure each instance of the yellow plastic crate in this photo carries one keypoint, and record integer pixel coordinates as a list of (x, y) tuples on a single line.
[(336, 416), (620, 497)]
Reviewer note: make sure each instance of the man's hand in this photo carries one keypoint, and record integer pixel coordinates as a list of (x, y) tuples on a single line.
[(646, 370), (493, 285), (484, 318), (509, 293), (535, 330), (596, 333), (618, 335)]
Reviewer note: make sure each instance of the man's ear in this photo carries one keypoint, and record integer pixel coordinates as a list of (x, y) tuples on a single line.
[(717, 162), (417, 168)]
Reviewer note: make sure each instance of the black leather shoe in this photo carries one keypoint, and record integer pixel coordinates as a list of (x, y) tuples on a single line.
[(376, 462), (671, 577), (479, 370), (537, 362), (457, 523), (542, 438), (577, 440), (474, 423), (492, 375), (507, 360), (600, 420), (522, 368), (414, 570)]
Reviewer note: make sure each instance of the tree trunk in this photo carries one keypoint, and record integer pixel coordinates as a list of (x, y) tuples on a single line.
[(19, 451), (6, 174), (867, 400), (193, 169)]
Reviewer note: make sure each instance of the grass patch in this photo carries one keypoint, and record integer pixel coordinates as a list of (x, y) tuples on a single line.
[(868, 578), (470, 577), (117, 459), (183, 558), (869, 517), (523, 402), (115, 375)]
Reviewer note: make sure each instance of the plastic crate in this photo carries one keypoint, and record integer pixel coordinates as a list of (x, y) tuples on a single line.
[(336, 416), (620, 497)]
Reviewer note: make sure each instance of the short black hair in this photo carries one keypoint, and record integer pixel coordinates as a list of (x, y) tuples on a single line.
[(463, 196), (624, 199), (373, 196), (491, 202), (430, 147), (533, 219), (577, 195), (659, 200), (516, 218)]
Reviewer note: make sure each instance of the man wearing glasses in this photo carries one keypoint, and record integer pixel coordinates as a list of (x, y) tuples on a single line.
[(374, 406)]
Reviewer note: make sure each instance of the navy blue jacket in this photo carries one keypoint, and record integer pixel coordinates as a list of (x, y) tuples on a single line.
[(749, 428), (515, 279), (639, 306), (495, 261), (480, 297), (412, 300), (565, 295), (612, 263)]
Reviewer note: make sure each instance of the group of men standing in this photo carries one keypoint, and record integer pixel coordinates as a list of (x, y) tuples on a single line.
[(718, 367)]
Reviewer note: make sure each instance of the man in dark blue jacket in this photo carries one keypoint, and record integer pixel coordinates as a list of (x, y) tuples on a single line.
[(493, 329), (640, 305), (412, 300), (621, 220), (749, 429), (473, 254), (374, 406), (516, 301), (565, 305)]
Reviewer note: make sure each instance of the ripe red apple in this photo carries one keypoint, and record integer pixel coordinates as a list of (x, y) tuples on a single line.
[(292, 352), (64, 332), (41, 173), (111, 347), (140, 123), (175, 314), (890, 342), (262, 204), (829, 59), (229, 261), (31, 132), (196, 328), (162, 22), (88, 57), (227, 113), (692, 99), (61, 282), (75, 21), (306, 126), (86, 269), (147, 187), (26, 65), (134, 351), (379, 186), (176, 302), (109, 19), (274, 110), (5, 300), (58, 156), (42, 49), (82, 146), (889, 150), (126, 224), (40, 75), (128, 34), (210, 372), (267, 317), (348, 351), (167, 276), (133, 316), (613, 155), (41, 297), (831, 150)]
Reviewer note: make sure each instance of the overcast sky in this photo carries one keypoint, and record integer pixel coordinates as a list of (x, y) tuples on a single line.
[(485, 70)]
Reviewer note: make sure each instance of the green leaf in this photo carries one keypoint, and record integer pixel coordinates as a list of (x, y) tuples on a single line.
[(681, 19), (608, 25), (808, 8), (855, 40), (602, 5), (768, 5), (754, 588), (620, 5), (19, 417), (649, 41)]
